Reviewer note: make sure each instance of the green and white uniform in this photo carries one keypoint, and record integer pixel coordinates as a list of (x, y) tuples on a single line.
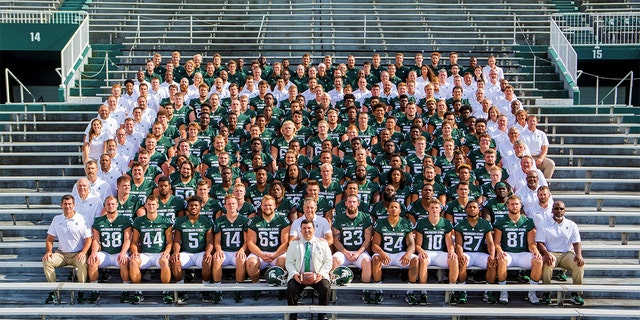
[(231, 236), (352, 233), (514, 240), (268, 234), (171, 208), (434, 240), (111, 238), (152, 239), (473, 241), (393, 239)]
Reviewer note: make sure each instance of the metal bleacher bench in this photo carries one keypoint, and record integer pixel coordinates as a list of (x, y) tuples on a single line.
[(588, 182), (613, 215), (455, 313), (599, 197), (580, 158)]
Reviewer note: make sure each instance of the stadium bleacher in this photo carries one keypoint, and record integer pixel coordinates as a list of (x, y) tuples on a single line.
[(596, 153)]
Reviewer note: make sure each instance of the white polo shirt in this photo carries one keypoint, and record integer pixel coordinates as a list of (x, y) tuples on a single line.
[(89, 208), (558, 237), (71, 232), (535, 140), (321, 224)]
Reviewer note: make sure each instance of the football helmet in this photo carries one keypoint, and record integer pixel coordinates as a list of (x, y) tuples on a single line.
[(341, 276), (276, 276)]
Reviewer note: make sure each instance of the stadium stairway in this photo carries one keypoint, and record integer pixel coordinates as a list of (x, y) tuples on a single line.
[(72, 5), (565, 6), (34, 135), (546, 79), (94, 77), (282, 29)]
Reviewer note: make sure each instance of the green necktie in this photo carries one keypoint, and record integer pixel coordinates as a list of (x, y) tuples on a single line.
[(307, 257)]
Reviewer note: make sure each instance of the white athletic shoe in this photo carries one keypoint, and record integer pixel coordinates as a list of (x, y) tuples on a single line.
[(504, 297), (533, 298)]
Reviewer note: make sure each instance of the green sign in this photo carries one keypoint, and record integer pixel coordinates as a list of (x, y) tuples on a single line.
[(35, 37), (608, 52)]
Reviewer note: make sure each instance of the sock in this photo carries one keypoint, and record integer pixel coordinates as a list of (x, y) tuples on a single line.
[(94, 281), (181, 281), (205, 282), (502, 282), (533, 282), (126, 281)]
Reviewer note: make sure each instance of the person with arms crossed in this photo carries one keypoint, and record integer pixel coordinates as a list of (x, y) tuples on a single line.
[(74, 241), (308, 263)]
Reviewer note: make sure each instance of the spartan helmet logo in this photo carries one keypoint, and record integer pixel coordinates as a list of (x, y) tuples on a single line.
[(276, 276), (342, 276)]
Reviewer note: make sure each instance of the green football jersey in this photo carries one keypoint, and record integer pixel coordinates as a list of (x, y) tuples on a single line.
[(433, 236), (171, 208), (129, 207), (455, 209), (473, 238), (232, 233), (417, 210), (194, 234), (497, 210), (256, 195), (152, 237), (367, 190), (331, 192), (184, 190), (379, 211), (111, 233), (211, 208), (284, 208), (393, 237), (282, 145), (268, 233), (352, 230), (143, 190), (514, 235)]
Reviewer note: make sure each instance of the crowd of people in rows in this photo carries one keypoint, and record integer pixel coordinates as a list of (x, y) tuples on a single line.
[(412, 166)]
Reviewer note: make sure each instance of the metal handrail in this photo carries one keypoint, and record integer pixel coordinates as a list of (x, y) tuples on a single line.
[(615, 89), (23, 88)]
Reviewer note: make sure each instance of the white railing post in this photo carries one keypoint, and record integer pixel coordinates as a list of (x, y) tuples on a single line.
[(597, 90), (23, 88), (6, 84), (535, 58), (364, 33), (106, 62), (630, 88), (514, 29)]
